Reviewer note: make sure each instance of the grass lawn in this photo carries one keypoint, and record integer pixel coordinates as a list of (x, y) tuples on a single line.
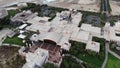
[(96, 60), (14, 40), (113, 48), (49, 65), (69, 62), (13, 12), (113, 62)]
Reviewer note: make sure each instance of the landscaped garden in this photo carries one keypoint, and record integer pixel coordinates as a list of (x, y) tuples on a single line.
[(69, 62), (5, 22), (113, 19), (13, 40), (113, 62), (88, 17), (96, 60), (49, 65), (13, 12), (113, 47)]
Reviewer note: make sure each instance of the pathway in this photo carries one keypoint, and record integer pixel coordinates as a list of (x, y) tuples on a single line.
[(113, 53), (78, 60), (106, 55)]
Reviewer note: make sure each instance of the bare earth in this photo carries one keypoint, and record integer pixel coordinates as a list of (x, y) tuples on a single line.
[(115, 6), (86, 5), (9, 57)]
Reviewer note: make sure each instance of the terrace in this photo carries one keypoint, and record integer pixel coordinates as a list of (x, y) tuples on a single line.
[(54, 51)]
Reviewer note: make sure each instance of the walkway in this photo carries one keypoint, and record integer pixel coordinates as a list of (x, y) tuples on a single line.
[(106, 55), (107, 49), (113, 53), (78, 60)]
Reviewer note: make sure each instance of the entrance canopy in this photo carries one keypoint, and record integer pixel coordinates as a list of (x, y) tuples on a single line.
[(53, 37)]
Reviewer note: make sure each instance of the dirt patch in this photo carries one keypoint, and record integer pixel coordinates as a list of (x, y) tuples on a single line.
[(9, 57)]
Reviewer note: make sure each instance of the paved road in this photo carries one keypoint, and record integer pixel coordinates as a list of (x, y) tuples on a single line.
[(106, 55), (104, 8)]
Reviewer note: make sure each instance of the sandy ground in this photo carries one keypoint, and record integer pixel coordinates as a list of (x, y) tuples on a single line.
[(75, 4), (4, 3), (86, 5), (115, 6)]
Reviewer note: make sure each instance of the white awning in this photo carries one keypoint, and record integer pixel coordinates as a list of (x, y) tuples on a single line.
[(21, 36), (22, 26), (53, 36)]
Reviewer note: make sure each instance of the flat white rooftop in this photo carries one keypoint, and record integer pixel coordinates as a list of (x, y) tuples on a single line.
[(21, 36), (39, 57), (117, 26), (23, 26), (94, 46), (38, 19), (113, 36), (83, 36), (90, 28)]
